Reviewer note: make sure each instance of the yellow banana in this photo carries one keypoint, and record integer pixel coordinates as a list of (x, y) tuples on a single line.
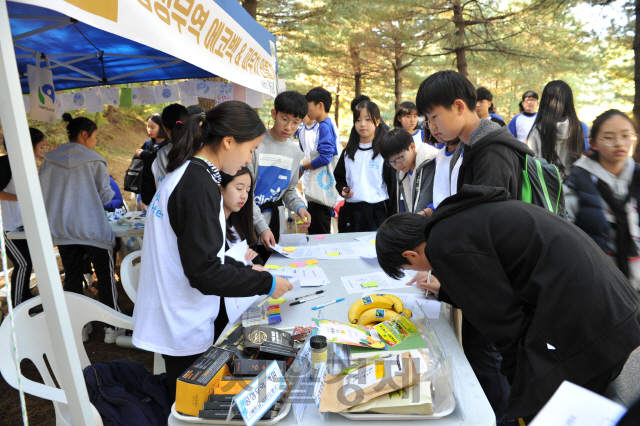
[(369, 302), (398, 306), (375, 316), (408, 313)]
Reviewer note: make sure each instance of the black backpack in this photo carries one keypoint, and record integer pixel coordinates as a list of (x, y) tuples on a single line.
[(542, 184), (133, 176)]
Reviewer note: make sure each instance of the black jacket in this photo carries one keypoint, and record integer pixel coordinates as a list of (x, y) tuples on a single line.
[(537, 287), (491, 160)]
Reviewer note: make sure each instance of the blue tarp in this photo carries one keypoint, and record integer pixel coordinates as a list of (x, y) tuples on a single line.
[(82, 38)]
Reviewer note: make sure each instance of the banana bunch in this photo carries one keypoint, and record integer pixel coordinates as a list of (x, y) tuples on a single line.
[(376, 308)]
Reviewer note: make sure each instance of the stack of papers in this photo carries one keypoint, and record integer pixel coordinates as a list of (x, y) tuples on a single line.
[(375, 282), (310, 276), (329, 251)]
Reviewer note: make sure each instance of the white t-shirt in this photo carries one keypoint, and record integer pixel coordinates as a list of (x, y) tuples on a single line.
[(308, 137), (11, 216), (418, 138), (523, 126), (444, 184), (364, 176)]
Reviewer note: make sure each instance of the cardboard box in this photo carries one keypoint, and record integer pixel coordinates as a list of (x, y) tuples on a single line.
[(196, 384)]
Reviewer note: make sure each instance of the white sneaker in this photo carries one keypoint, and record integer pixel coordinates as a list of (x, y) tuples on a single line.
[(86, 331), (111, 334)]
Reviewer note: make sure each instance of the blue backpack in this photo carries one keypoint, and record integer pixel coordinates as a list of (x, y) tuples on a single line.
[(126, 394)]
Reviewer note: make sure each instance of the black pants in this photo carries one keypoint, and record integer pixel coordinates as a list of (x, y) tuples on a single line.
[(18, 253), (102, 259), (485, 360), (361, 217), (176, 365), (320, 218)]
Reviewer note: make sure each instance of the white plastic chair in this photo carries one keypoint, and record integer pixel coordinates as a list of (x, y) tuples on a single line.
[(130, 275), (34, 343)]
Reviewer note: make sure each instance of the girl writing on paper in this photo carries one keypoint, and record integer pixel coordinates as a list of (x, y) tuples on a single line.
[(179, 292)]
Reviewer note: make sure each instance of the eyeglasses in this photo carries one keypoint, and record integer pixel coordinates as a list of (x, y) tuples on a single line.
[(624, 139), (530, 100), (399, 159)]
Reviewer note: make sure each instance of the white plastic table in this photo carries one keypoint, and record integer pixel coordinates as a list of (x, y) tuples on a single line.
[(119, 230), (477, 411)]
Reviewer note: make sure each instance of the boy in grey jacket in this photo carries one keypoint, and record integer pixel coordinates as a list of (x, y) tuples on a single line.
[(415, 169), (75, 186)]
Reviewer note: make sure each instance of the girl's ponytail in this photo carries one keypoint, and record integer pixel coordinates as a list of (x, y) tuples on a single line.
[(187, 143), (232, 118)]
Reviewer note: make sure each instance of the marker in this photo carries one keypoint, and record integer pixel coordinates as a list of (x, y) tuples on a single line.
[(315, 296), (307, 295), (328, 303), (262, 303), (429, 277)]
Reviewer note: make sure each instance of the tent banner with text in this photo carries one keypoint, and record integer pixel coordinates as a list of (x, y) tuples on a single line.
[(199, 32)]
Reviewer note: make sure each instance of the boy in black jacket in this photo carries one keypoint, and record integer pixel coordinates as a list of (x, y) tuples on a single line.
[(550, 300), (448, 102)]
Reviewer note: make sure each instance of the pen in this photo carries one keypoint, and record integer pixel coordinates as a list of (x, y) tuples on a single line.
[(429, 277), (307, 295), (297, 302), (328, 303)]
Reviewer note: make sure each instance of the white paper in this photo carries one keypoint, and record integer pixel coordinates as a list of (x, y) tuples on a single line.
[(261, 394), (188, 93), (77, 101), (311, 276), (147, 95), (353, 283), (369, 239), (205, 89), (572, 405), (67, 101), (293, 239), (92, 100), (330, 251), (110, 96), (224, 93), (59, 107), (167, 93), (236, 306), (254, 99)]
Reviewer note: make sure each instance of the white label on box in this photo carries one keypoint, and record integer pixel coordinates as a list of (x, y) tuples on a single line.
[(261, 394)]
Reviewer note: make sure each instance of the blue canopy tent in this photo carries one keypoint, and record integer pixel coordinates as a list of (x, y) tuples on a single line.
[(94, 42), (82, 55)]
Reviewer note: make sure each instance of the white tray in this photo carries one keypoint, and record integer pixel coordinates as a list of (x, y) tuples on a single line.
[(283, 413), (449, 406)]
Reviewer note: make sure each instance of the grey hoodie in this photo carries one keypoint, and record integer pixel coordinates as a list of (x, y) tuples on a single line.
[(620, 188), (159, 166), (562, 148), (419, 195), (75, 186)]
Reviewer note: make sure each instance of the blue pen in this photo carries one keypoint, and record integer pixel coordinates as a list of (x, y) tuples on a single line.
[(327, 304)]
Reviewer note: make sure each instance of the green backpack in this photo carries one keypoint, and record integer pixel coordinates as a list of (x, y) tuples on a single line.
[(542, 184)]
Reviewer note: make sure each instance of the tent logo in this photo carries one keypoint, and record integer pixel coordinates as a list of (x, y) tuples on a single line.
[(326, 180), (47, 89)]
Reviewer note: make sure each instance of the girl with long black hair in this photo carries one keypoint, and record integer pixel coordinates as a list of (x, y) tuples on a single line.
[(557, 133), (184, 272), (363, 178)]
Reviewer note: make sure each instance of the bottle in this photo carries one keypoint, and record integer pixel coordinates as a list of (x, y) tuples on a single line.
[(318, 351)]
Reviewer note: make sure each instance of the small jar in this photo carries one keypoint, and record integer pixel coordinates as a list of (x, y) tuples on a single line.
[(318, 351)]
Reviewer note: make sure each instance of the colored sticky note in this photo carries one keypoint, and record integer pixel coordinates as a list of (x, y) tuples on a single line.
[(373, 242), (277, 301), (299, 263), (370, 284), (312, 262), (289, 249), (273, 267), (293, 265), (333, 254), (302, 221), (320, 237), (126, 97)]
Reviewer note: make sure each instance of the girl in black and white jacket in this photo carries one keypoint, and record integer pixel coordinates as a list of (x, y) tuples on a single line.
[(184, 272)]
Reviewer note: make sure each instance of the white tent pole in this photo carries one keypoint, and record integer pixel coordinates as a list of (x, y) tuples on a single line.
[(73, 61), (15, 127), (44, 29), (78, 70)]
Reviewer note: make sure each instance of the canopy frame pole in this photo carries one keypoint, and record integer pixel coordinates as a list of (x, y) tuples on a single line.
[(62, 23), (72, 61), (38, 17), (177, 61), (15, 127), (61, 63)]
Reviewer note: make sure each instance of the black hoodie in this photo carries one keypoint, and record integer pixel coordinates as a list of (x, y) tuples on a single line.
[(549, 299), (490, 159)]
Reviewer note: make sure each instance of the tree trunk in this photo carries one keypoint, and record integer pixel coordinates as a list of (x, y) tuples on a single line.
[(110, 114), (397, 74), (337, 106), (251, 6), (461, 49), (354, 51), (206, 104), (636, 78), (358, 88)]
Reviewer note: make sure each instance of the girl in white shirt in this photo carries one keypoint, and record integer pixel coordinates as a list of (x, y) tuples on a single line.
[(362, 176), (407, 119)]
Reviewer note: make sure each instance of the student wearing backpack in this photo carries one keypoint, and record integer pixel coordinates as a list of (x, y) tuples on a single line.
[(491, 158), (554, 305), (603, 191)]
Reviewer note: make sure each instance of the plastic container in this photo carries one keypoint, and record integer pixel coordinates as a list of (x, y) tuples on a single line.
[(318, 351)]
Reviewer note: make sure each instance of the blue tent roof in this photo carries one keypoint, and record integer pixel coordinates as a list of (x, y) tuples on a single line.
[(78, 40)]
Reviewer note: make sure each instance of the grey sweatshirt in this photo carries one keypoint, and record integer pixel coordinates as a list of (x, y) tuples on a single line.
[(275, 168), (562, 148), (75, 186), (159, 166), (418, 189)]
